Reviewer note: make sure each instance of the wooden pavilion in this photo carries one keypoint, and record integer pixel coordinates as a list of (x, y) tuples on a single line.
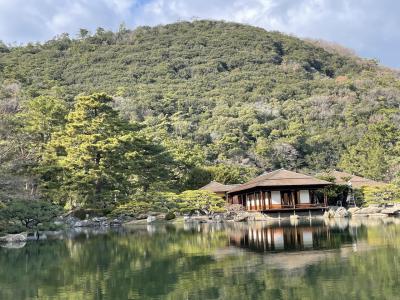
[(280, 190), (218, 188)]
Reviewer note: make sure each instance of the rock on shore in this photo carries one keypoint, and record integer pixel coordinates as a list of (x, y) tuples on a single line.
[(369, 211), (14, 240), (376, 211)]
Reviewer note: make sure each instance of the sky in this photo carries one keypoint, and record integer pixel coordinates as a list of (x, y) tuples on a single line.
[(370, 27)]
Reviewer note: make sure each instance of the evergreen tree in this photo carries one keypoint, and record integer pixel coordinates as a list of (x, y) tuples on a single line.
[(94, 161), (373, 153)]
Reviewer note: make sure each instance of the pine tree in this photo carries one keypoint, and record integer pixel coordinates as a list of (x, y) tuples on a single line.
[(92, 162)]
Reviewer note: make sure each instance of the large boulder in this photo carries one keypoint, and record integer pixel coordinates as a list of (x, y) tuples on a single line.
[(141, 216), (353, 210), (230, 215), (378, 215), (14, 238), (241, 217), (85, 223), (330, 213), (69, 220), (219, 218), (369, 210), (116, 223), (394, 210), (341, 212), (151, 219)]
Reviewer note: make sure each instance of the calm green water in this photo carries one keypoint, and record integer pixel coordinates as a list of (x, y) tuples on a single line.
[(356, 260)]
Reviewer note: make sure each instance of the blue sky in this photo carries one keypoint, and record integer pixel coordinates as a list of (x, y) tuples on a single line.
[(370, 27)]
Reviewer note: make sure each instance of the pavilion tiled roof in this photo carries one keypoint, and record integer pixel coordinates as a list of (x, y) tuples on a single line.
[(356, 181), (217, 187), (278, 178)]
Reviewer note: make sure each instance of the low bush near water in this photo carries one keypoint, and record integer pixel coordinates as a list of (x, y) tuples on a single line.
[(26, 215)]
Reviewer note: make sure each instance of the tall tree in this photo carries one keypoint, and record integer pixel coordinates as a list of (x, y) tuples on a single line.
[(39, 118), (94, 160), (372, 155)]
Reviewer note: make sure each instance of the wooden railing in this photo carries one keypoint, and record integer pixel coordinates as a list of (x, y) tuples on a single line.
[(286, 207)]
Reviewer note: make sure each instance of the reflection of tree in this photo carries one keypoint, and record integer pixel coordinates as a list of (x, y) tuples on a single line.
[(178, 264)]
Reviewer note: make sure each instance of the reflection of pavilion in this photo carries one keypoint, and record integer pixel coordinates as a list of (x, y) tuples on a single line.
[(289, 238)]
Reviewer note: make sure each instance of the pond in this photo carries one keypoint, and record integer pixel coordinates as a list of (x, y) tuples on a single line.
[(342, 259)]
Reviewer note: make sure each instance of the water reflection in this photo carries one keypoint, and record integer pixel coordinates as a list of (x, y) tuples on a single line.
[(312, 259), (302, 237)]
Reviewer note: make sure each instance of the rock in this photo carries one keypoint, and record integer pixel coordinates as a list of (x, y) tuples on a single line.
[(377, 215), (230, 215), (341, 212), (241, 217), (218, 218), (394, 210), (99, 219), (85, 223), (70, 220), (258, 216), (115, 223), (353, 210), (141, 217), (369, 210), (14, 238), (326, 215), (330, 213), (151, 219)]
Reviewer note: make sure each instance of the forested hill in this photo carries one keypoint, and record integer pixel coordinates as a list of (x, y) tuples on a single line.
[(225, 94)]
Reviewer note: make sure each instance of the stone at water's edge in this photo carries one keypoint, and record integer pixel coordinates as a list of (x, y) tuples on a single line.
[(395, 210), (336, 212), (353, 210), (85, 223), (241, 217), (14, 238), (341, 212), (151, 219), (378, 215), (369, 210)]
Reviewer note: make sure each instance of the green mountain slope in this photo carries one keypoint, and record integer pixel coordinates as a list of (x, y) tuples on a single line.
[(226, 93)]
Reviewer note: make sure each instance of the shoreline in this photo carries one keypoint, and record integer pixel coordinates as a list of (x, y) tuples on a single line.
[(333, 213)]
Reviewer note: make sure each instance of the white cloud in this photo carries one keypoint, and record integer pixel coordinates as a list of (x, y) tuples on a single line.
[(368, 26)]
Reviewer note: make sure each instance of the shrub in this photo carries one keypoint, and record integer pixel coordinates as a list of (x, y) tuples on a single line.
[(381, 194), (334, 192), (200, 200), (170, 216), (25, 214), (132, 208)]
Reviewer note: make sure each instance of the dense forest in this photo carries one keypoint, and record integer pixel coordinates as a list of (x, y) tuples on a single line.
[(185, 103)]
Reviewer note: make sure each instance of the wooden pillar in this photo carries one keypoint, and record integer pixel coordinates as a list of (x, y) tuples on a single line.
[(263, 200), (293, 199), (325, 200), (269, 200)]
